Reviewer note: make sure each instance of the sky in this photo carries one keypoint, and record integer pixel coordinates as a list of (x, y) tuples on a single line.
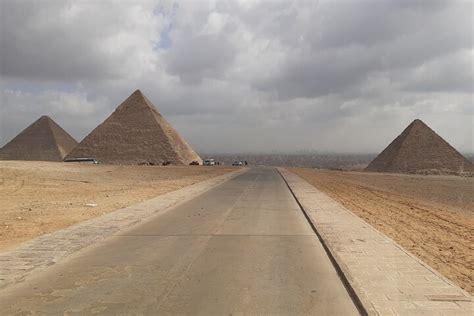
[(244, 76)]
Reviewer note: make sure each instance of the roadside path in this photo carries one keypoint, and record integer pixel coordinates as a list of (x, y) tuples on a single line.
[(18, 264), (387, 279)]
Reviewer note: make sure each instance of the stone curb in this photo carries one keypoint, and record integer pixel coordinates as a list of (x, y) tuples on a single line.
[(387, 279), (39, 253), (357, 296)]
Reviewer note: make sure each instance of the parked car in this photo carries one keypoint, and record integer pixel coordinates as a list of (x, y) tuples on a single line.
[(82, 160), (209, 162)]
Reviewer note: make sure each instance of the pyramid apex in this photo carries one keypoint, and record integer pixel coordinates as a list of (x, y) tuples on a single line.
[(136, 100), (43, 119), (137, 95), (417, 123)]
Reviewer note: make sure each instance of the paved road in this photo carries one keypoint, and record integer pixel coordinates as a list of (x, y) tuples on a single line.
[(241, 248)]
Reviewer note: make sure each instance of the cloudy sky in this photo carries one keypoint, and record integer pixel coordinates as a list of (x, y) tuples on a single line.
[(338, 76)]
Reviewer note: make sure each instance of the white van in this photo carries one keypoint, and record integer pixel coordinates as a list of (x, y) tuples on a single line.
[(209, 162)]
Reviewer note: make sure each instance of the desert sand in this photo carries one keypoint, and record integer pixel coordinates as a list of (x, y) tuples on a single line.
[(40, 197), (431, 216)]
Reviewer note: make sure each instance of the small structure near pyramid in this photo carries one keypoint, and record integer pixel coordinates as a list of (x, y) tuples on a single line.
[(136, 133), (43, 140), (418, 149)]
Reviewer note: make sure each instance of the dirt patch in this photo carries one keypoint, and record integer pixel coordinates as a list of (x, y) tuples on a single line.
[(40, 197), (431, 216)]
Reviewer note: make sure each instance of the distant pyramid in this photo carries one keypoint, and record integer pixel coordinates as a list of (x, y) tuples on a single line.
[(135, 133), (418, 149), (42, 140)]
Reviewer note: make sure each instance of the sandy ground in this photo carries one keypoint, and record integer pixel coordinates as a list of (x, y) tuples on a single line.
[(431, 216), (41, 197)]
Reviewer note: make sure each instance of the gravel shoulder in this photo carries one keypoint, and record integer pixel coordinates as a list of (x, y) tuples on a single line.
[(431, 216), (41, 197)]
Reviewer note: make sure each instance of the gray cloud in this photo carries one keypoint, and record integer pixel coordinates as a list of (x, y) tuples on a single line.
[(343, 76), (70, 40), (198, 57)]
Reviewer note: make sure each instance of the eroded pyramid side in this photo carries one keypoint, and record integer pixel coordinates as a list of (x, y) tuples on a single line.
[(418, 149), (182, 149), (135, 133), (43, 140)]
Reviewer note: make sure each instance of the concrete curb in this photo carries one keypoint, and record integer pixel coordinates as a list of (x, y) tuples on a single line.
[(407, 285), (39, 253), (357, 296)]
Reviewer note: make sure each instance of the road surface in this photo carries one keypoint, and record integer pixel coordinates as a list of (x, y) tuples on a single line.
[(243, 247)]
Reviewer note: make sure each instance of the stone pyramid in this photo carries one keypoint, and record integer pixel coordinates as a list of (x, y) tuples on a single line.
[(42, 140), (418, 149), (135, 133)]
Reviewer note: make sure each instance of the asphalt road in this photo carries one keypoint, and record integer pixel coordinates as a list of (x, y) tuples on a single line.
[(241, 248)]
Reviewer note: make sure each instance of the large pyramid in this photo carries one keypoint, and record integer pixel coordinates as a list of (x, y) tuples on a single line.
[(135, 133), (418, 149), (42, 140)]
